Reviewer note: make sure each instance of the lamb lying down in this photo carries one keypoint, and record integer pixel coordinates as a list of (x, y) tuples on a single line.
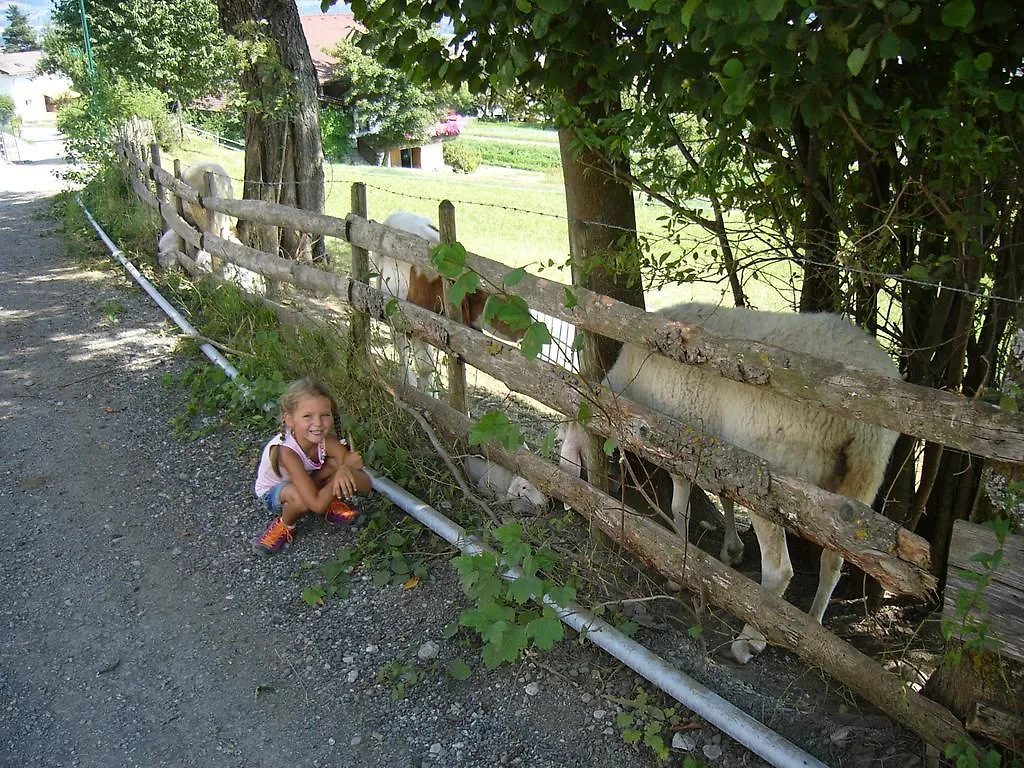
[(497, 481)]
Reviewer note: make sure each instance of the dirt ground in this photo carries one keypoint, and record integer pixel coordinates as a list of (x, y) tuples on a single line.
[(137, 628)]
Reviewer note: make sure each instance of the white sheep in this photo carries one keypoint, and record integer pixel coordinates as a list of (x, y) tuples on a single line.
[(395, 277), (833, 452), (499, 482), (214, 222), (423, 287)]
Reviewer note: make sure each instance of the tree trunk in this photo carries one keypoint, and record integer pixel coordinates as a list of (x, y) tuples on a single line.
[(602, 250), (820, 292), (283, 154)]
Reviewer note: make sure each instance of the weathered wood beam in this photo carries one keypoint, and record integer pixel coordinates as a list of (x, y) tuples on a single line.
[(897, 558)]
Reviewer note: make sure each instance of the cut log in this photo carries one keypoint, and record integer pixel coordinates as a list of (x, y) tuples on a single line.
[(995, 723), (1001, 606)]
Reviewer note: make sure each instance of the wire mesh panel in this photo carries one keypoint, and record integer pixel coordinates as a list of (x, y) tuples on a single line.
[(560, 350)]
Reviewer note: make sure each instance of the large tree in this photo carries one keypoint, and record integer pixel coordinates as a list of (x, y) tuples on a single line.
[(18, 34), (506, 45), (283, 152), (175, 46), (876, 146)]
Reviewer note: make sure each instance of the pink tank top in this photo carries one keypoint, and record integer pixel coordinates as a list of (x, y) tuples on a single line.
[(266, 478)]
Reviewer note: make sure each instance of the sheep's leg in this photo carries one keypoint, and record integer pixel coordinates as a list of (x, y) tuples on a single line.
[(828, 577), (570, 454), (681, 505), (402, 343), (423, 363), (732, 545), (776, 572)]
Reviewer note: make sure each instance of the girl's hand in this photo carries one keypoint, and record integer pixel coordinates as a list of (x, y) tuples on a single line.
[(354, 460), (343, 485)]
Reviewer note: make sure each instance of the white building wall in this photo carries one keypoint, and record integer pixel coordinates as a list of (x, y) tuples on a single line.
[(29, 94), (432, 156)]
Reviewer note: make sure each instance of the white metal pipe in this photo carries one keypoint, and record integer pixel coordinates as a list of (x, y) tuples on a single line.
[(743, 728), (208, 349), (751, 733)]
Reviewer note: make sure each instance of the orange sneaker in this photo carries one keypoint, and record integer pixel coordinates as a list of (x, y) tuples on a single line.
[(274, 538), (340, 513)]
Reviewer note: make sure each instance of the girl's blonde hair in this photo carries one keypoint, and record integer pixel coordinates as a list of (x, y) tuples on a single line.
[(307, 386)]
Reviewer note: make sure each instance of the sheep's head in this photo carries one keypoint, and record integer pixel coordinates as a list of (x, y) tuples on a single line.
[(521, 488)]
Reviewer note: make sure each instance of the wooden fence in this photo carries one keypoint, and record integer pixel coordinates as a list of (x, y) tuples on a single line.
[(897, 558)]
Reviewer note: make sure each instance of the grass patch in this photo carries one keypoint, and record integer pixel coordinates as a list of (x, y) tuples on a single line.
[(528, 157), (520, 220), (511, 132)]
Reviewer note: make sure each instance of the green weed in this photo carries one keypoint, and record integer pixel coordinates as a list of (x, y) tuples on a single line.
[(501, 615), (643, 722), (112, 309)]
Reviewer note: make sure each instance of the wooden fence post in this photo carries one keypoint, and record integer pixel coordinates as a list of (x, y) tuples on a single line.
[(209, 190), (179, 207), (456, 368), (360, 271), (154, 157)]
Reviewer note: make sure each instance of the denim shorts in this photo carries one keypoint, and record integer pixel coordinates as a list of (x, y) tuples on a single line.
[(272, 498)]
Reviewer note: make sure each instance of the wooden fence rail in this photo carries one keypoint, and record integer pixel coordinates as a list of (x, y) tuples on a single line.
[(783, 624)]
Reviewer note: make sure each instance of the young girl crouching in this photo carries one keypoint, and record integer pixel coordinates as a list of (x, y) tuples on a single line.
[(305, 468)]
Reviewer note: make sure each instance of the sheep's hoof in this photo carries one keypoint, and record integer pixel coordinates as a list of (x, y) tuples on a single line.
[(746, 646), (732, 553)]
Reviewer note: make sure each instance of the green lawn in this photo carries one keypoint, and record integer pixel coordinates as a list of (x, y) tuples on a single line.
[(477, 128), (515, 217)]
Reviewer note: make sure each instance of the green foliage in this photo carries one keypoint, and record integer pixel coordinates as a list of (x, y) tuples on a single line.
[(501, 617), (642, 722), (336, 572), (173, 46), (525, 156), (254, 50), (462, 157), (502, 307), (7, 109), (964, 754), (336, 126), (88, 124), (387, 101), (228, 123), (403, 675), (18, 35)]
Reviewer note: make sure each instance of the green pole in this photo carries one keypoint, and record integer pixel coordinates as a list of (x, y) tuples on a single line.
[(88, 56)]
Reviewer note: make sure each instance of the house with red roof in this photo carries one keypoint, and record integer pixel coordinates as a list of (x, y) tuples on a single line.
[(323, 32)]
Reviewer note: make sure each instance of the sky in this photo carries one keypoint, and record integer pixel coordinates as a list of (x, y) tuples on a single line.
[(38, 11)]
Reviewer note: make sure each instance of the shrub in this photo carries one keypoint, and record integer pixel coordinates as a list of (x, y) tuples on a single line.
[(336, 128), (6, 109), (89, 122), (461, 157)]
